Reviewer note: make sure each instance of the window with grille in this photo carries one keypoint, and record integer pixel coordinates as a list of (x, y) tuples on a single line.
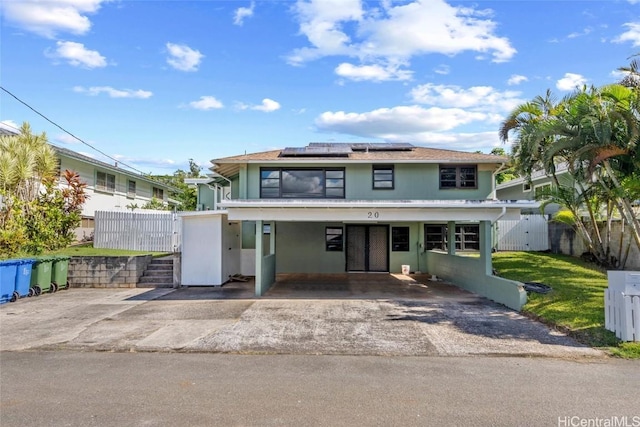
[(383, 177), (400, 239), (461, 176), (158, 193), (467, 237), (105, 182), (334, 239), (131, 189)]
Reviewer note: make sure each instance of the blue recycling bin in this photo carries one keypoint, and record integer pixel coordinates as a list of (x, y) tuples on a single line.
[(8, 270), (23, 278)]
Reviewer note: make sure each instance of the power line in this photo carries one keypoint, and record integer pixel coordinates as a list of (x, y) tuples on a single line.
[(69, 133)]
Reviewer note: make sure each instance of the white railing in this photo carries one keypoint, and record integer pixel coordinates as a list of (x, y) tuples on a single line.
[(529, 233), (157, 231)]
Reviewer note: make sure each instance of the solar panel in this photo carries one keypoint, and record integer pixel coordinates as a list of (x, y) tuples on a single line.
[(382, 146), (317, 151)]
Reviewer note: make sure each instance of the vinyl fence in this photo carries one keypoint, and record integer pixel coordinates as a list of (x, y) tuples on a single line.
[(156, 231), (529, 233)]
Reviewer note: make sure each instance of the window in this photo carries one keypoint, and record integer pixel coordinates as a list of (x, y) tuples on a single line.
[(334, 239), (400, 239), (302, 183), (131, 189), (526, 187), (383, 177), (462, 176), (435, 237), (467, 237), (158, 193), (105, 182), (541, 191)]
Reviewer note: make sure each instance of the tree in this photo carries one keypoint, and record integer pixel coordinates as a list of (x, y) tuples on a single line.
[(185, 194), (595, 133), (36, 215)]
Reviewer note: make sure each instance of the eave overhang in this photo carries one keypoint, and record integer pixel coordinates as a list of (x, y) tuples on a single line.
[(373, 211)]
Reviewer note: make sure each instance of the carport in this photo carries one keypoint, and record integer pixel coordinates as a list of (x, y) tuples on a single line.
[(271, 217)]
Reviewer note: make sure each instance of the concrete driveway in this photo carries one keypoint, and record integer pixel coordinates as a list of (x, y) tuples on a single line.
[(342, 314)]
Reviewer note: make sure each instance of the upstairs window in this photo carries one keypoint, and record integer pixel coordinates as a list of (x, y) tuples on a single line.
[(542, 191), (105, 182), (158, 193), (461, 176), (383, 178), (131, 189), (301, 183)]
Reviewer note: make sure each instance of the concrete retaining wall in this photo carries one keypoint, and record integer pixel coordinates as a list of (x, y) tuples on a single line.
[(107, 272)]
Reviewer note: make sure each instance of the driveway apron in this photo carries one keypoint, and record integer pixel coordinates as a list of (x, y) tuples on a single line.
[(367, 315)]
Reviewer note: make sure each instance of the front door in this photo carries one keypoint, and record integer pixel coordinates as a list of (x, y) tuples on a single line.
[(367, 248)]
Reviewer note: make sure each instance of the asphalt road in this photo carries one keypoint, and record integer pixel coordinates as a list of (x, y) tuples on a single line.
[(65, 388)]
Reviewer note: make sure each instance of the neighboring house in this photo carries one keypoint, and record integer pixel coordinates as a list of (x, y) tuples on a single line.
[(109, 187), (368, 207), (524, 189), (210, 191)]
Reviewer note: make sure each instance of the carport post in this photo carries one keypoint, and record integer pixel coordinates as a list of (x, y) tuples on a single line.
[(485, 246), (272, 238), (451, 237), (259, 256)]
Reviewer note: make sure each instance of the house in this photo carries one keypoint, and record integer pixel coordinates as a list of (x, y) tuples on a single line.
[(109, 187), (368, 207), (524, 189)]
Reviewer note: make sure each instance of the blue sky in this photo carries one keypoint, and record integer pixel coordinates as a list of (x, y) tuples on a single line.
[(154, 83)]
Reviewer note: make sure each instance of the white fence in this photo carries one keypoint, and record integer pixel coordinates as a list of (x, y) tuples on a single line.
[(529, 233), (156, 231)]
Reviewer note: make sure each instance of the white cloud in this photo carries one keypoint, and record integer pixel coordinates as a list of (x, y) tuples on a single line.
[(476, 98), (402, 120), (582, 33), (376, 73), (412, 124), (242, 13), (631, 35), (571, 81), (67, 139), (77, 55), (442, 69), (183, 58), (114, 93), (206, 103), (48, 18), (10, 125), (516, 79), (267, 106), (391, 33)]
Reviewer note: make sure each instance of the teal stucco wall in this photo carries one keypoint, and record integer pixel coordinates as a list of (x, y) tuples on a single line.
[(469, 273), (412, 181), (300, 248)]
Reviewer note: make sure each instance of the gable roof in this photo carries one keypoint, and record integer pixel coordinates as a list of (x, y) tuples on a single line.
[(228, 166)]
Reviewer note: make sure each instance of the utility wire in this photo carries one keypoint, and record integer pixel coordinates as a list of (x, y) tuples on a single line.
[(69, 133)]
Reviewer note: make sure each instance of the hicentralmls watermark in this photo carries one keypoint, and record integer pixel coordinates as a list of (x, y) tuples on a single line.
[(614, 421)]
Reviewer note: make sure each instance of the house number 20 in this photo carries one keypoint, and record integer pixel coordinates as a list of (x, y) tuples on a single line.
[(373, 214)]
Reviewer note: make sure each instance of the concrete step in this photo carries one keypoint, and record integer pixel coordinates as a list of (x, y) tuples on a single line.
[(156, 279), (160, 267), (154, 285), (158, 273)]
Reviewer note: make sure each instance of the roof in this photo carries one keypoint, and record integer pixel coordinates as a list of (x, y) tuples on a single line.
[(81, 157), (535, 176), (228, 166)]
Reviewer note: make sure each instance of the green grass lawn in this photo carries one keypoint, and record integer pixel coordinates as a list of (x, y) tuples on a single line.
[(576, 303), (89, 250)]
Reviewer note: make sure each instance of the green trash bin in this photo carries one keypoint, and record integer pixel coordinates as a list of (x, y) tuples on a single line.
[(60, 272), (41, 275)]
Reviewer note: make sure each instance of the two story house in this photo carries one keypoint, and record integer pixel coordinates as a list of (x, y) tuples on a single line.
[(108, 188), (370, 207)]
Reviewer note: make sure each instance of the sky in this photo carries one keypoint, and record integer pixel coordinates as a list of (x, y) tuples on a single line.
[(152, 83)]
